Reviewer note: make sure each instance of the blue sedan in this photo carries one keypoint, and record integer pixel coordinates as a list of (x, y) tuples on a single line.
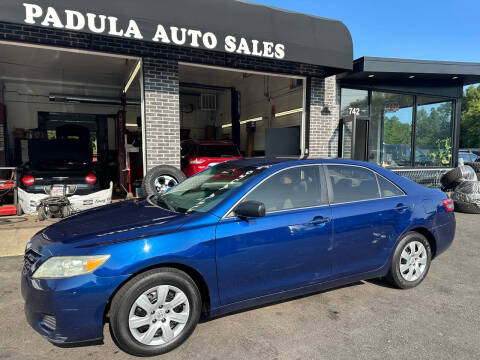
[(237, 235)]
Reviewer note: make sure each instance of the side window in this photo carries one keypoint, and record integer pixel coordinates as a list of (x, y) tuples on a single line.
[(387, 188), (294, 188), (352, 183)]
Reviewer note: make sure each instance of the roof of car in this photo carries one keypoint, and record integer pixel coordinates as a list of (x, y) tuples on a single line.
[(270, 161)]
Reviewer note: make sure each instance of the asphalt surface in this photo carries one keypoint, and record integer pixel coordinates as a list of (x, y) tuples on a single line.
[(440, 319)]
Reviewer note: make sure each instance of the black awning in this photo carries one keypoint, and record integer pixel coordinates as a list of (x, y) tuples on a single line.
[(373, 70), (221, 25)]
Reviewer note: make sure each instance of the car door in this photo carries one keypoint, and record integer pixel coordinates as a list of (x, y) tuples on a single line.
[(288, 248), (369, 213)]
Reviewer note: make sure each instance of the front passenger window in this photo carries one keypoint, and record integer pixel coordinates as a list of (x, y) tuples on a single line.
[(294, 188)]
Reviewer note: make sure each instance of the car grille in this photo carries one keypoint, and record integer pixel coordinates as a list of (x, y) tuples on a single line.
[(30, 259)]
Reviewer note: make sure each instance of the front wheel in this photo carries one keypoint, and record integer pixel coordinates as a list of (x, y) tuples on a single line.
[(411, 261), (155, 312)]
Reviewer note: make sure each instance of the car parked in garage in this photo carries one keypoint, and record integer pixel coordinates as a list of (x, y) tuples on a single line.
[(240, 234), (199, 155)]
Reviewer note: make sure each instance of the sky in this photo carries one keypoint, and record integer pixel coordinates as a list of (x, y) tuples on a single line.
[(421, 29)]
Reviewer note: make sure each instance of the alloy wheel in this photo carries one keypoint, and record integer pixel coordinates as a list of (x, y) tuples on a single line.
[(164, 182)]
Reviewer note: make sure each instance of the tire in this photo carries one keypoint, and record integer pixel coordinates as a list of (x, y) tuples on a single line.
[(398, 277), (474, 165), (41, 215), (450, 178), (170, 174), (468, 208), (122, 310)]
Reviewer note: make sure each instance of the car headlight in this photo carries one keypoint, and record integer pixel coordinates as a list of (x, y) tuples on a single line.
[(69, 266)]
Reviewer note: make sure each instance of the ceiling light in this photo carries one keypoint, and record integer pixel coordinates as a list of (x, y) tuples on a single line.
[(243, 122), (289, 112), (455, 78), (371, 76), (132, 76), (131, 125), (411, 76), (260, 118)]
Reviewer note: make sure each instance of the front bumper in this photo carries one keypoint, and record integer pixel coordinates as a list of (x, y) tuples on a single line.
[(68, 310)]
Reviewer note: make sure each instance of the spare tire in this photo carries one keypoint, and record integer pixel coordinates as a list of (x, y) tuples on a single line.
[(474, 165), (451, 178), (468, 208), (161, 178)]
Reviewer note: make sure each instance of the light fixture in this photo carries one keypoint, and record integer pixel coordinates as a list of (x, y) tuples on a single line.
[(289, 112), (243, 122), (455, 78), (411, 76), (132, 76), (371, 76), (131, 125)]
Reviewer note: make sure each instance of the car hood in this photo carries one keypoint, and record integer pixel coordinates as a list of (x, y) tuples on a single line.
[(123, 221)]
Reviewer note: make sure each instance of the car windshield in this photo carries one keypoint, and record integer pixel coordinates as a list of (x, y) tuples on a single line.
[(218, 151), (202, 192)]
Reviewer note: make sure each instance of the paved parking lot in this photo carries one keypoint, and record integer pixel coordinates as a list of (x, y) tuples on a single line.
[(368, 320)]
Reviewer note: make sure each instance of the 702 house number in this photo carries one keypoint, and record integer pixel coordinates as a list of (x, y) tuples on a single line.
[(354, 111)]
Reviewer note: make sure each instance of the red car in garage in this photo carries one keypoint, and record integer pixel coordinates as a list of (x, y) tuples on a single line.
[(199, 155)]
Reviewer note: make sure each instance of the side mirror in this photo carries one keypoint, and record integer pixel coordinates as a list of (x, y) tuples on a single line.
[(250, 209)]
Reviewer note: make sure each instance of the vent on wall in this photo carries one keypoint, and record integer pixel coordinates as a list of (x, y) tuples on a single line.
[(208, 102)]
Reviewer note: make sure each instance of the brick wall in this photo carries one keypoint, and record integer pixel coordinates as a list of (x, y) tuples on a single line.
[(324, 123), (162, 112)]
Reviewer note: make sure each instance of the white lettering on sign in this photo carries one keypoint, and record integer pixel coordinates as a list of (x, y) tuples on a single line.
[(104, 24)]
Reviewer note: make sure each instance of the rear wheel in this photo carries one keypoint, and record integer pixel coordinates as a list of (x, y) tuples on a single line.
[(155, 312), (411, 261)]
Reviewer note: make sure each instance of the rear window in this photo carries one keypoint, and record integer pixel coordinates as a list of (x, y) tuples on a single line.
[(218, 151)]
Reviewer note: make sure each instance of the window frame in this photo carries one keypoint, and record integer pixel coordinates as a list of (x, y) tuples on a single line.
[(453, 132), (322, 183), (376, 175)]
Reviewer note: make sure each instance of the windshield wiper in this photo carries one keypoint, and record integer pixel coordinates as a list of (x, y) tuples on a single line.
[(158, 200)]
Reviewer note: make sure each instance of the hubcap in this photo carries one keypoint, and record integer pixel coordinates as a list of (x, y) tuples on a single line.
[(164, 182), (413, 261), (159, 315)]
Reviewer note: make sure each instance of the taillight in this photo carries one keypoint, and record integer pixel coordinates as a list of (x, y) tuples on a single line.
[(448, 204), (28, 180), (197, 161), (91, 179)]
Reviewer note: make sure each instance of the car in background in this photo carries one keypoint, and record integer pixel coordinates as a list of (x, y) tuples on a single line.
[(197, 156), (237, 235), (58, 168), (469, 155)]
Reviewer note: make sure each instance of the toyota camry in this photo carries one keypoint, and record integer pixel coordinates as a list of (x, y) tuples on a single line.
[(241, 234)]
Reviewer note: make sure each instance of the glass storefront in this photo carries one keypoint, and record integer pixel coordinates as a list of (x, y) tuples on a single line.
[(404, 130), (433, 136)]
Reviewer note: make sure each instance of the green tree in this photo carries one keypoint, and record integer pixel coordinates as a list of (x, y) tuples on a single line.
[(396, 132), (470, 125)]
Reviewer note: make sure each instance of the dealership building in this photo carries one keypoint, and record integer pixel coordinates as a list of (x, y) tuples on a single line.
[(144, 75)]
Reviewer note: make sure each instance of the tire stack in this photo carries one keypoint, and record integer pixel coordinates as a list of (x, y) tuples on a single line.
[(462, 182)]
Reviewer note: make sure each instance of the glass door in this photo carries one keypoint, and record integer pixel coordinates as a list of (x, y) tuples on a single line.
[(354, 137)]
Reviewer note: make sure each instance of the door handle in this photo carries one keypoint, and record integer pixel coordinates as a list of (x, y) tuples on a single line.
[(402, 207), (319, 220)]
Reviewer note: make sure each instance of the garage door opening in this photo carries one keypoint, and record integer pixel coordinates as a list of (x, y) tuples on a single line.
[(262, 114), (71, 124)]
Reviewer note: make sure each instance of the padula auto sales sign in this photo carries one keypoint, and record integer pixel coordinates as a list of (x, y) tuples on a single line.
[(176, 35), (228, 26)]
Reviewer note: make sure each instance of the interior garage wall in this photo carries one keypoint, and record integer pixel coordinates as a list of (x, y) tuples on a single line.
[(162, 112), (23, 101), (324, 117)]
